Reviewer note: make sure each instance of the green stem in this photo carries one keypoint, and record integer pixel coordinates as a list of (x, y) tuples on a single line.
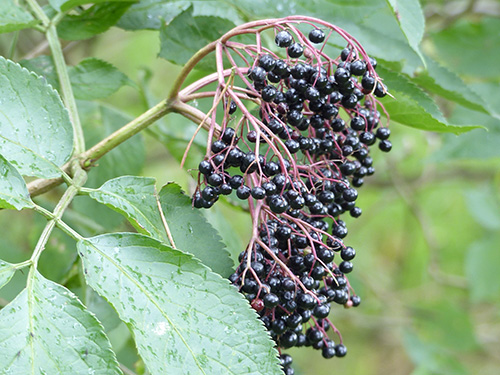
[(189, 66), (62, 74), (124, 133), (66, 89), (13, 45)]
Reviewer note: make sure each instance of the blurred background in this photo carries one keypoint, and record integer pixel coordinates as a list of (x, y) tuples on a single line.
[(428, 242)]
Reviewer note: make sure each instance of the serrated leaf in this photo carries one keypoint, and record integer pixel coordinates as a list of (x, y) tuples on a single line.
[(447, 84), (92, 21), (481, 267), (150, 14), (7, 270), (91, 79), (137, 199), (191, 231), (13, 190), (46, 330), (185, 319), (36, 134), (63, 5), (413, 107), (411, 19), (95, 79), (186, 34), (13, 17)]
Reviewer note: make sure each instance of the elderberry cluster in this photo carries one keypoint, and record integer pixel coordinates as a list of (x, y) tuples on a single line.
[(298, 162)]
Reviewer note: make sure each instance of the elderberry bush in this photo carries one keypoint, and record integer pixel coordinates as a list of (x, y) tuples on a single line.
[(298, 157)]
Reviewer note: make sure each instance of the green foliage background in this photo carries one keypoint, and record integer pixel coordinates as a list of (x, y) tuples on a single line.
[(428, 242)]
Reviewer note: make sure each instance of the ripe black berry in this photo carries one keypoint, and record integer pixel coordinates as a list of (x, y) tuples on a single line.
[(283, 39), (316, 36)]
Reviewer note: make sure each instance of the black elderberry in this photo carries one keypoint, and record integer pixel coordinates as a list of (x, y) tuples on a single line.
[(383, 133), (288, 339), (232, 107), (205, 167), (349, 101), (350, 194), (292, 146), (367, 138), (215, 179), (368, 82), (243, 192), (341, 75), (348, 253), (356, 300), (267, 62), (328, 352), (271, 300), (338, 125), (385, 145), (218, 146), (283, 39), (340, 350), (229, 136), (295, 50), (355, 212), (380, 90), (358, 68), (278, 204), (278, 326), (345, 266), (269, 93), (316, 36), (344, 55), (314, 335), (298, 71), (257, 74), (258, 192)]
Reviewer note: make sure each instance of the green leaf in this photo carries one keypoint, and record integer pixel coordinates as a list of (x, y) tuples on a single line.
[(36, 134), (185, 35), (13, 17), (92, 21), (91, 79), (484, 206), (13, 190), (137, 199), (185, 319), (192, 232), (95, 79), (63, 5), (411, 19), (413, 107), (46, 330), (7, 270), (151, 14), (470, 48), (447, 84), (481, 266)]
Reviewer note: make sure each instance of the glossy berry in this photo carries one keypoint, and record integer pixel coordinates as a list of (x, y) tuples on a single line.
[(283, 39), (295, 50), (316, 36)]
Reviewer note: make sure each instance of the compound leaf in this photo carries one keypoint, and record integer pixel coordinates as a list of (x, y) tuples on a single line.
[(185, 318), (46, 330), (13, 191), (36, 134), (137, 199), (92, 21), (13, 17), (7, 270)]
